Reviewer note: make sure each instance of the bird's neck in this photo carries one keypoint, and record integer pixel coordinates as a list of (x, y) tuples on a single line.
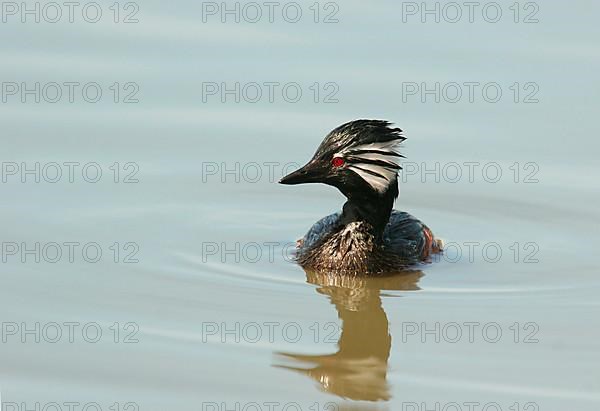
[(371, 208)]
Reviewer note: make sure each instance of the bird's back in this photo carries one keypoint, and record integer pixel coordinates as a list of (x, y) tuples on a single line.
[(352, 249)]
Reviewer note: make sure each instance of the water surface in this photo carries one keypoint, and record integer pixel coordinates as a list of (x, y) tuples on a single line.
[(190, 313)]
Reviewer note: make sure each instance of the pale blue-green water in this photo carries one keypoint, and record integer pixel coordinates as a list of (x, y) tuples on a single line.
[(194, 292)]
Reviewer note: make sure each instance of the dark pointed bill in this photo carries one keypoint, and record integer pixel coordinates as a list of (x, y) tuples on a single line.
[(310, 173)]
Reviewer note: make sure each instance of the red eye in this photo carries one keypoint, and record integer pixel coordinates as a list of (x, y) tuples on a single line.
[(338, 161)]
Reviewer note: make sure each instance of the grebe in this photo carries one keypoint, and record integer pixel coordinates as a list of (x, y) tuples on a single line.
[(367, 237)]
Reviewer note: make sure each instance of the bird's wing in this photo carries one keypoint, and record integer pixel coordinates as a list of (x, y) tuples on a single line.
[(319, 230), (405, 235)]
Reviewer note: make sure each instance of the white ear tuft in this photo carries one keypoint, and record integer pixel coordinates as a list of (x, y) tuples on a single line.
[(376, 163)]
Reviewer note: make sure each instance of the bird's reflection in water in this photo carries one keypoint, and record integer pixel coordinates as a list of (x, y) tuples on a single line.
[(358, 370)]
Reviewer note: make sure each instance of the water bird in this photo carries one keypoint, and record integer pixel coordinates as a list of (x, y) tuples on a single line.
[(361, 158)]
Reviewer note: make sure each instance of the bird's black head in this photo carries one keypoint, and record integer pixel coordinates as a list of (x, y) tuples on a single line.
[(360, 158)]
